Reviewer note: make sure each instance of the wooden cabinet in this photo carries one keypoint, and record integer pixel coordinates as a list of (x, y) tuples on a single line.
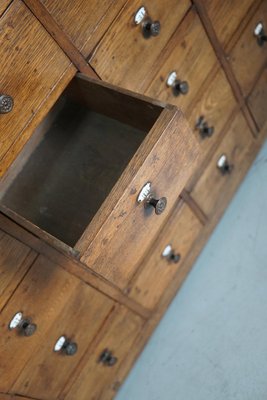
[(257, 100), (248, 57), (126, 57), (108, 196), (15, 260), (84, 21), (162, 153), (25, 75), (59, 305)]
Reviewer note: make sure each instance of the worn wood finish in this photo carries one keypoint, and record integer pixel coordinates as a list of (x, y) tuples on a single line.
[(60, 37), (210, 190), (94, 378), (71, 265), (124, 56), (183, 56), (15, 260), (127, 107), (215, 103), (224, 63), (46, 295), (156, 272), (226, 16), (80, 320), (4, 4), (84, 22), (13, 397), (167, 157), (247, 58), (257, 100), (26, 76)]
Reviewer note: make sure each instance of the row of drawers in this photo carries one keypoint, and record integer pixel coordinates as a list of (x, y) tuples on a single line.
[(56, 330)]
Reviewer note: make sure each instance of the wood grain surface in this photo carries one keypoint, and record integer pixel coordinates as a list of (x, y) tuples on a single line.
[(124, 57), (26, 75), (257, 100)]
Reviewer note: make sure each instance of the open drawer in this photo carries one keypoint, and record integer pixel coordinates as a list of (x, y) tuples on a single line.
[(78, 180)]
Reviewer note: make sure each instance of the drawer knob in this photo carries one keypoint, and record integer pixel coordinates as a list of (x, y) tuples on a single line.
[(23, 325), (147, 197), (260, 34), (66, 346), (170, 255), (6, 103), (178, 86), (107, 358), (224, 166), (204, 129), (150, 28)]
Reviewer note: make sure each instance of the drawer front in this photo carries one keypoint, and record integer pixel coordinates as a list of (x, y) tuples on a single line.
[(211, 110), (15, 260), (248, 57), (59, 304), (84, 21), (166, 256), (131, 227), (124, 56), (226, 16), (258, 99), (215, 184), (188, 65), (97, 376), (26, 74)]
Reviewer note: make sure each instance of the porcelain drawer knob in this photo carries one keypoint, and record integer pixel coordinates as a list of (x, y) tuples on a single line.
[(204, 129), (107, 358), (66, 346), (147, 197), (151, 28), (224, 166), (260, 34), (24, 325), (170, 255)]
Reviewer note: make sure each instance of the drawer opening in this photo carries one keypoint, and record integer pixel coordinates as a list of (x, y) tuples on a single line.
[(75, 157)]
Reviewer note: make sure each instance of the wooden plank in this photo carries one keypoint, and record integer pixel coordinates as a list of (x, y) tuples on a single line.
[(60, 37), (15, 260), (80, 320), (3, 6)]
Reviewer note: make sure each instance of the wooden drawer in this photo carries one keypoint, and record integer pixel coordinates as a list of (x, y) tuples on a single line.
[(31, 65), (84, 21), (258, 99), (215, 184), (96, 377), (211, 110), (124, 57), (15, 260), (226, 16), (3, 5), (83, 188), (248, 58), (157, 271), (59, 304), (183, 58)]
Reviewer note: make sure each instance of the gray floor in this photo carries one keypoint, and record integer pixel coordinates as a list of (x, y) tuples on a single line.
[(212, 342)]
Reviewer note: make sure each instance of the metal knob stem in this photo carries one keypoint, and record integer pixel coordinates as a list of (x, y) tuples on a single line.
[(150, 28), (204, 129), (107, 358), (158, 204), (66, 346), (180, 87), (6, 103)]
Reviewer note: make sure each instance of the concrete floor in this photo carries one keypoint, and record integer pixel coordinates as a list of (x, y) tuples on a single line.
[(212, 342)]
